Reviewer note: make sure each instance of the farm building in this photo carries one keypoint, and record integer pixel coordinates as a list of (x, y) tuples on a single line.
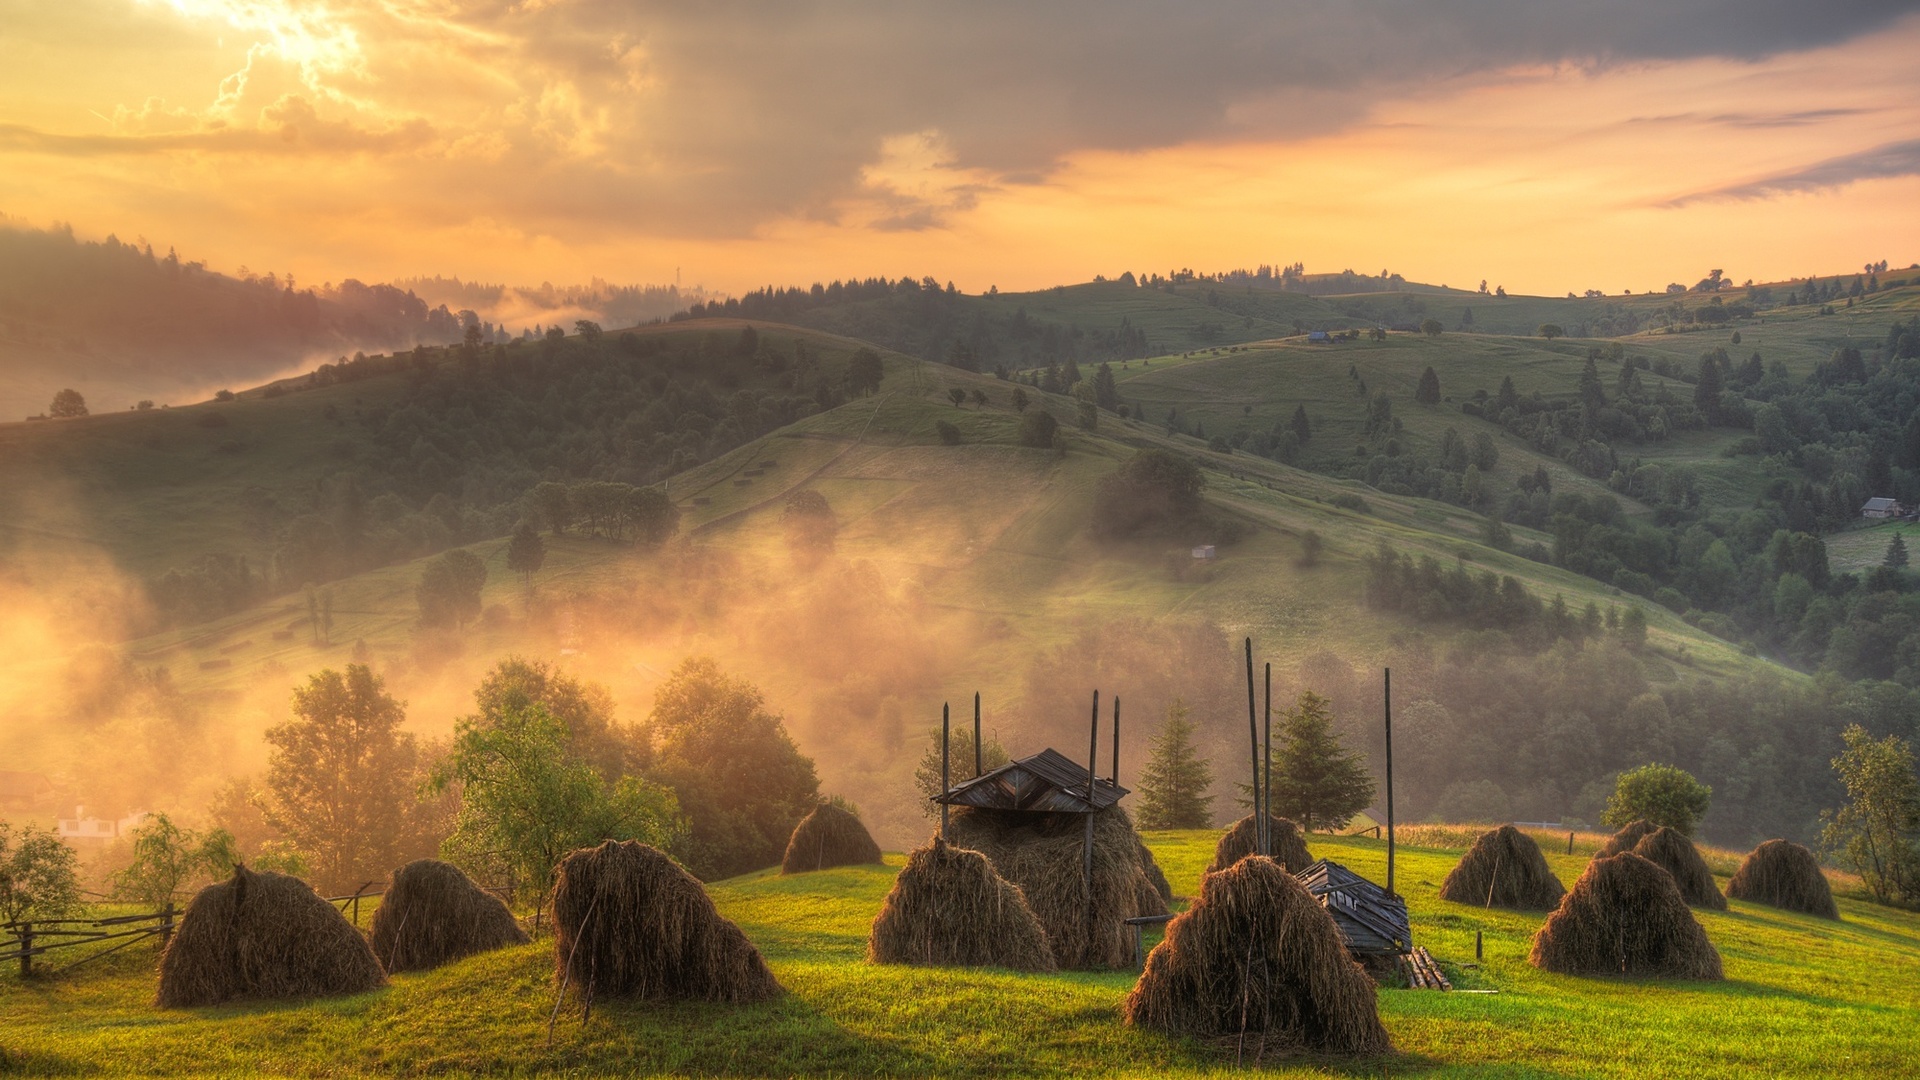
[(1881, 508), (1320, 337), (1371, 920)]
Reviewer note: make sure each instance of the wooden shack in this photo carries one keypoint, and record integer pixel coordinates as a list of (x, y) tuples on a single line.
[(1372, 921)]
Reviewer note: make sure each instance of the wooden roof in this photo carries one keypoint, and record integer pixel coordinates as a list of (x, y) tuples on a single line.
[(1371, 920), (1047, 782)]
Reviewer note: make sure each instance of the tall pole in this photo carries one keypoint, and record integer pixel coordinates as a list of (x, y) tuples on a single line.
[(1086, 838), (946, 767), (978, 769), (1253, 738), (1266, 772), (1389, 703), (1116, 740)]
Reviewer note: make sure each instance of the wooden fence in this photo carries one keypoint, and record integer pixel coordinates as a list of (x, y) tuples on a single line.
[(28, 938)]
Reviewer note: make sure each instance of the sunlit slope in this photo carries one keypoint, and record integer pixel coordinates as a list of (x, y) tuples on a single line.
[(1802, 997), (159, 489), (990, 531)]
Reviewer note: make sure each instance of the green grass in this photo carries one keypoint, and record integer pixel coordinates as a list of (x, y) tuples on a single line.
[(1861, 549), (1803, 997)]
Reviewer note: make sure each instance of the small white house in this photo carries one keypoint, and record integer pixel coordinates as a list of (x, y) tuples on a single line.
[(1880, 508), (1204, 552), (82, 827)]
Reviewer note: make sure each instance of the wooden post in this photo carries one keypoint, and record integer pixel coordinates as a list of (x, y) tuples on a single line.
[(1389, 704), (1479, 952), (1116, 740), (166, 925), (1086, 839), (1253, 740), (1266, 774), (978, 768), (946, 767), (1569, 841), (26, 950)]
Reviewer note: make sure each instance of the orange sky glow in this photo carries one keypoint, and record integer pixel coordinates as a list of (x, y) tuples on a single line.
[(562, 140)]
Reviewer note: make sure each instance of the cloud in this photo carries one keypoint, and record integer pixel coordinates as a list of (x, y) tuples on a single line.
[(715, 120), (1883, 162)]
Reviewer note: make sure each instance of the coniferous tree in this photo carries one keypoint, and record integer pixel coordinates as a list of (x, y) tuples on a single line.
[(1896, 554), (1316, 781), (1173, 787), (1302, 427), (1428, 392)]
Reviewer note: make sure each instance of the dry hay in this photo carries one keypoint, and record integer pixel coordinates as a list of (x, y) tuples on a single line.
[(949, 908), (1043, 854), (1156, 882), (1630, 834), (1625, 916), (629, 922), (1670, 851), (263, 935), (1504, 868), (828, 837), (1785, 875), (433, 914), (1257, 955), (1289, 846)]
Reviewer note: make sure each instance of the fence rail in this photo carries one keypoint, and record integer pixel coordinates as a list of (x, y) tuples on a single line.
[(22, 941)]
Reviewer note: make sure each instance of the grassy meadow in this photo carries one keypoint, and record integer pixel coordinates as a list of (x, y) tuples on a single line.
[(1803, 997)]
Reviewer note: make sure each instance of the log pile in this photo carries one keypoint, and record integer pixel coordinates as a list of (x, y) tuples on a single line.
[(1422, 973)]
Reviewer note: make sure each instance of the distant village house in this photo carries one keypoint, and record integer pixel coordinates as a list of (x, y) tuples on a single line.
[(82, 827), (1881, 508)]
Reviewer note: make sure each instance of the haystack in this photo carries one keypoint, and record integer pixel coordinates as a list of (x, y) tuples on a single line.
[(1155, 876), (828, 837), (1782, 874), (1630, 834), (1257, 955), (1670, 851), (1625, 916), (433, 914), (1289, 845), (949, 908), (1043, 854), (1504, 868), (263, 935), (629, 922)]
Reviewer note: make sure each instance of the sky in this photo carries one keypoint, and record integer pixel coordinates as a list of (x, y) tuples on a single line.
[(1541, 145)]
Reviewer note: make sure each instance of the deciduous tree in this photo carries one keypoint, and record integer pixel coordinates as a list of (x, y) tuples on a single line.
[(339, 776), (1663, 794), (1873, 834)]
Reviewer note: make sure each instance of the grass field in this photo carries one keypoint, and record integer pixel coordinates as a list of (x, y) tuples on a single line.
[(1859, 550), (1803, 997)]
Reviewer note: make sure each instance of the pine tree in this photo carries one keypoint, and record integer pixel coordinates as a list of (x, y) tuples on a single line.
[(1428, 393), (1172, 789), (1896, 554), (1316, 781), (1303, 428)]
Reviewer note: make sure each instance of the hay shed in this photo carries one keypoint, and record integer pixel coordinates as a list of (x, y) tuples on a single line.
[(433, 914), (1630, 834), (1784, 875), (949, 908), (1238, 842), (829, 836), (1257, 960), (1671, 851), (1371, 920), (628, 921), (1625, 916), (1504, 868), (258, 935)]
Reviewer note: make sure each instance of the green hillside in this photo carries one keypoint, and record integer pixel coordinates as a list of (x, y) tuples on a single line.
[(1802, 997)]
